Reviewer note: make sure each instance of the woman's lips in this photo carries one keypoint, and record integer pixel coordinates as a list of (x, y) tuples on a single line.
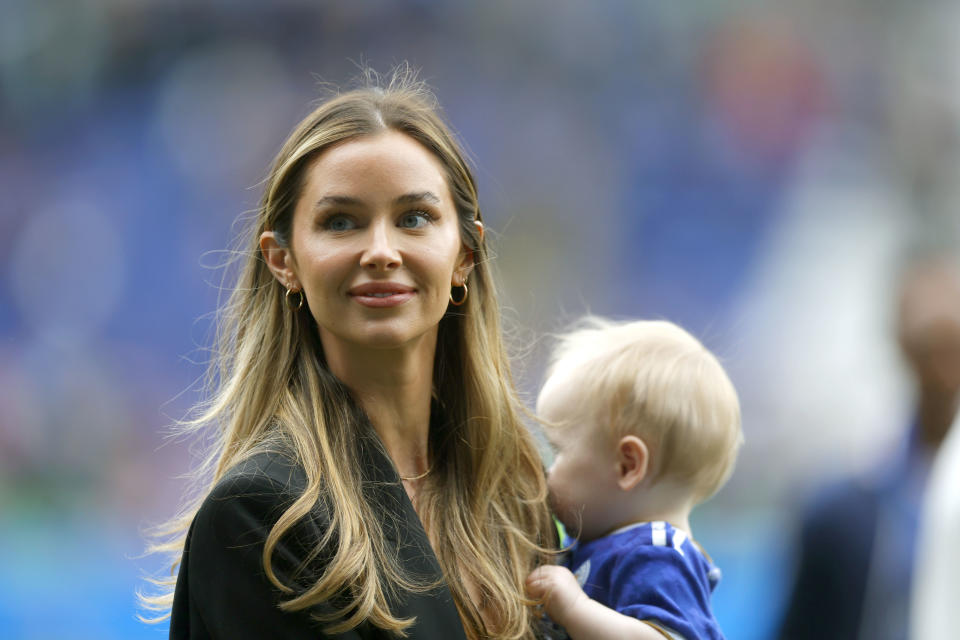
[(381, 294)]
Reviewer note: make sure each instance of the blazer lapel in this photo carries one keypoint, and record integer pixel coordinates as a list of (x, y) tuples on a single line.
[(435, 610)]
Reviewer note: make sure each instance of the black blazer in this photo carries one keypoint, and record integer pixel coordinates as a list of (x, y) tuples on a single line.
[(223, 592)]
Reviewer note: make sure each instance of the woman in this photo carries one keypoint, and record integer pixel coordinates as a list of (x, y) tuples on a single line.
[(371, 476)]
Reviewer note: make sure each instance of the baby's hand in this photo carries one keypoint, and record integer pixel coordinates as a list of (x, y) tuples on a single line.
[(558, 588)]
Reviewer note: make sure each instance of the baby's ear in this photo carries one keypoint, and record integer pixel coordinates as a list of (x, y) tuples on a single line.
[(632, 460)]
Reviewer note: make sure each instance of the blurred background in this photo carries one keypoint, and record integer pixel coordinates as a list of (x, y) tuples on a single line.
[(755, 171)]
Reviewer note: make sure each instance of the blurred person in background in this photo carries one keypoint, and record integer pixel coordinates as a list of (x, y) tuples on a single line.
[(936, 585), (856, 555), (371, 474)]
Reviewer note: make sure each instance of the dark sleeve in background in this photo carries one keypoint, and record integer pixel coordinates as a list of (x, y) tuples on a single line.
[(833, 559)]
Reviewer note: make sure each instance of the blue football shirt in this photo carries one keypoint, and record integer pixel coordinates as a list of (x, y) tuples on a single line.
[(653, 572)]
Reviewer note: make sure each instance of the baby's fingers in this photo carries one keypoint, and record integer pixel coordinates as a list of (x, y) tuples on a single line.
[(538, 582), (545, 580)]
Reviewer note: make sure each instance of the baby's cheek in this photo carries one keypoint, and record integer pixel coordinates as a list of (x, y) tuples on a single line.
[(553, 502), (556, 493), (563, 511)]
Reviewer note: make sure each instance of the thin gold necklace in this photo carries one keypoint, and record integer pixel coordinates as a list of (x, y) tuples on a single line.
[(422, 475)]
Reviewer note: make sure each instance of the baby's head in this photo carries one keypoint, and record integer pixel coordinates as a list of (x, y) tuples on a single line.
[(643, 419)]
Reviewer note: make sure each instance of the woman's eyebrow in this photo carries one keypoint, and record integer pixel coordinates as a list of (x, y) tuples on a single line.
[(350, 201), (326, 201), (423, 196)]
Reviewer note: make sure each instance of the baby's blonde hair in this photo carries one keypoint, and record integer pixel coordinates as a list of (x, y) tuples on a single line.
[(652, 379)]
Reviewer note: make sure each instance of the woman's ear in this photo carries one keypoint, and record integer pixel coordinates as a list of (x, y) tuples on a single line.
[(633, 458), (462, 272), (280, 260), (464, 267)]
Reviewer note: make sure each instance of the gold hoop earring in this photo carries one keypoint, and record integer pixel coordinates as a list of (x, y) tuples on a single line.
[(463, 298), (289, 301)]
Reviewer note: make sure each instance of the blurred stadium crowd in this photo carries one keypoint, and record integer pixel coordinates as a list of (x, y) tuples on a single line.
[(755, 171)]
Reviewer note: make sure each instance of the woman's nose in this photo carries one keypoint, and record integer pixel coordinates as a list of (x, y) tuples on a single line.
[(380, 251)]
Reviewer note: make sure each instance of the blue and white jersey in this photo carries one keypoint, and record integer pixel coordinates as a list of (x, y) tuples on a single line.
[(653, 572)]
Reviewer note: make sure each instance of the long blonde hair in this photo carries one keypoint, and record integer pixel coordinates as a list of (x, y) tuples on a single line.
[(484, 504)]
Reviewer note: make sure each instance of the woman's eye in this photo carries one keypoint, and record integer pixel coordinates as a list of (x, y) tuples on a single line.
[(414, 220), (339, 223)]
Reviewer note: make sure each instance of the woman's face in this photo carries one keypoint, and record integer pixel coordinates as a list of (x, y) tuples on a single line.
[(375, 243)]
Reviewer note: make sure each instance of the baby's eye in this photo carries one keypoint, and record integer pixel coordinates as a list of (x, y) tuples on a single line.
[(339, 222), (414, 220)]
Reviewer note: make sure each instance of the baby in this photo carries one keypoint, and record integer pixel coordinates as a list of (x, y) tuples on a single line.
[(646, 425)]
